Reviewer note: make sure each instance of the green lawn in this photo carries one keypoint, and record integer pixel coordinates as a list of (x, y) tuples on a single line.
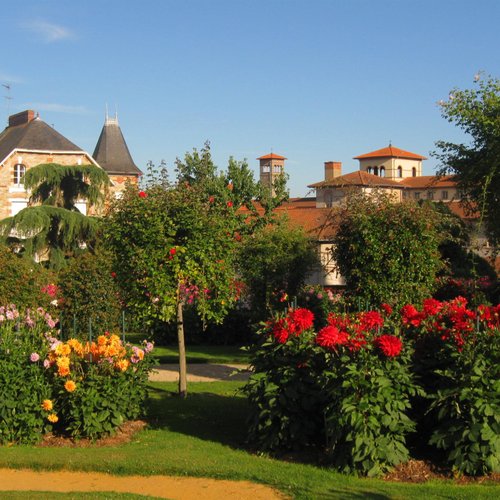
[(224, 354), (204, 436)]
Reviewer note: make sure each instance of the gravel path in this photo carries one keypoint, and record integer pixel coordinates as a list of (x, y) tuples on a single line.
[(206, 372)]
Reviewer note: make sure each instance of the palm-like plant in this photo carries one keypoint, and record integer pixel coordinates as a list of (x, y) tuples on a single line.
[(51, 227)]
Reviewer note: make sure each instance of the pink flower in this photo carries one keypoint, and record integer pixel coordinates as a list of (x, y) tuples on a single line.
[(34, 357)]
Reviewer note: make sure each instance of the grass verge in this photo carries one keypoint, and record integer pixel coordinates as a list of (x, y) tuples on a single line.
[(203, 436)]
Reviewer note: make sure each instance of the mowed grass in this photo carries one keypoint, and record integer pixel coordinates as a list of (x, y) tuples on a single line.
[(204, 436), (221, 354)]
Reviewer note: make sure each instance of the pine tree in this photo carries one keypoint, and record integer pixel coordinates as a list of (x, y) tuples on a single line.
[(51, 228)]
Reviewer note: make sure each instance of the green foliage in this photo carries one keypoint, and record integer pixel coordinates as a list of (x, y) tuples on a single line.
[(388, 252), (466, 405), (476, 165), (274, 263), (367, 420), (52, 228), (285, 395), (22, 281), (23, 385), (89, 292)]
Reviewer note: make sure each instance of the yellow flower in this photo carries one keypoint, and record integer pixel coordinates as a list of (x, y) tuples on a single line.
[(47, 404), (70, 386), (53, 418), (63, 350), (63, 361), (76, 346)]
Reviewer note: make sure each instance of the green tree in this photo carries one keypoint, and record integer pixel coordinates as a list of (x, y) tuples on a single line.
[(51, 227), (274, 262), (175, 243), (476, 165), (386, 251)]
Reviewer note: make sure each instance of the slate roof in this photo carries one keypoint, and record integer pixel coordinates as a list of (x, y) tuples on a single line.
[(111, 151), (358, 178), (391, 152), (34, 135)]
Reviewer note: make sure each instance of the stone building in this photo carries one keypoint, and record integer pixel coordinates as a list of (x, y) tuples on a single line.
[(28, 141)]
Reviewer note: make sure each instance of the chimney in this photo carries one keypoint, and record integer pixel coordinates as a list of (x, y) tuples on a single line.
[(21, 118), (332, 169)]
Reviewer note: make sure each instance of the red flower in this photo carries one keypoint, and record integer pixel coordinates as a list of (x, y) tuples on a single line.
[(387, 309), (211, 199), (113, 274), (432, 306), (172, 252), (300, 319), (389, 345), (371, 320), (280, 331), (411, 316), (229, 204), (142, 194), (330, 337)]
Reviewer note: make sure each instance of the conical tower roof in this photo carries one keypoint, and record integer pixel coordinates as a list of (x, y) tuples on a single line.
[(111, 151)]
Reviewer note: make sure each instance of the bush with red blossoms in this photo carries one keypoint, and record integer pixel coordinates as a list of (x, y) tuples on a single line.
[(354, 384)]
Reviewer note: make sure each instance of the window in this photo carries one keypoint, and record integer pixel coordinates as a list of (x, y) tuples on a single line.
[(444, 195), (277, 169), (416, 195), (266, 169), (17, 205), (19, 171), (400, 172), (430, 195), (414, 172), (369, 170), (382, 171), (375, 170)]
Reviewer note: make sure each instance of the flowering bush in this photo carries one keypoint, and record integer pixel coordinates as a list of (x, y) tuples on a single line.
[(458, 363), (353, 385), (84, 389)]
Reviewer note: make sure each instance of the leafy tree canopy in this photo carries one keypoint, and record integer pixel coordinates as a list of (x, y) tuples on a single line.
[(51, 228), (386, 251), (477, 164)]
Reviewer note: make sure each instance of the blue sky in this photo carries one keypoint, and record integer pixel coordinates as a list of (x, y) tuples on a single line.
[(312, 80)]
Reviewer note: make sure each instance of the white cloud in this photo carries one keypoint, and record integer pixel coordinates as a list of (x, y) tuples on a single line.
[(56, 108), (48, 32)]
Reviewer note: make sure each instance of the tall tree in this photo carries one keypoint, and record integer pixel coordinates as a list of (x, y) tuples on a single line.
[(477, 164), (51, 227)]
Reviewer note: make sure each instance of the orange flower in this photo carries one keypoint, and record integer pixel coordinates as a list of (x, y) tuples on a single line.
[(63, 350), (70, 386), (62, 371), (101, 340), (122, 365), (53, 418), (76, 346), (47, 404)]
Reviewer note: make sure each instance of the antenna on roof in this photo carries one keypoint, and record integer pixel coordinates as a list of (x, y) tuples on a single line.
[(8, 98)]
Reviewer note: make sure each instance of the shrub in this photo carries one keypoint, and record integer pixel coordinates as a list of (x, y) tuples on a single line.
[(89, 292), (22, 281), (23, 385)]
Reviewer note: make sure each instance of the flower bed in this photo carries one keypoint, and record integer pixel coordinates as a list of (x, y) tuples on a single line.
[(362, 384), (85, 389)]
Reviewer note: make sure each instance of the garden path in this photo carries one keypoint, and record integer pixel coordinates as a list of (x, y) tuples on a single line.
[(174, 488), (201, 372)]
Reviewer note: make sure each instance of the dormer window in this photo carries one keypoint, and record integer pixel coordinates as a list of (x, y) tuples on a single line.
[(400, 172), (382, 171), (375, 170), (19, 171), (369, 170), (414, 172)]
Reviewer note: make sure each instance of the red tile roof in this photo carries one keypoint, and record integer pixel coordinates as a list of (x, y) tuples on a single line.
[(429, 181), (358, 178), (319, 223), (391, 152), (272, 156)]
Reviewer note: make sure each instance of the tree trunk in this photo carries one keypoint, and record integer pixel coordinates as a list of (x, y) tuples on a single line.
[(182, 352)]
